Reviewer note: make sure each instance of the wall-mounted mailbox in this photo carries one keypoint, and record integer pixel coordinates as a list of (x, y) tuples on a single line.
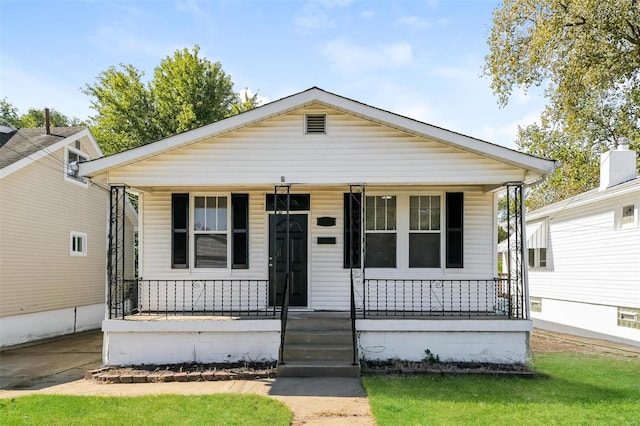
[(326, 240), (326, 221)]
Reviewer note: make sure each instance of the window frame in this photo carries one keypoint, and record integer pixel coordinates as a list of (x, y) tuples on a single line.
[(394, 231), (82, 237), (535, 261), (634, 219), (438, 231), (193, 232), (402, 231), (84, 182)]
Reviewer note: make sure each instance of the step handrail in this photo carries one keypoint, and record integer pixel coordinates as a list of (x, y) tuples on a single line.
[(284, 314)]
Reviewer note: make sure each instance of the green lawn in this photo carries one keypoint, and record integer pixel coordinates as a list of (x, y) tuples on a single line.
[(218, 409), (572, 389)]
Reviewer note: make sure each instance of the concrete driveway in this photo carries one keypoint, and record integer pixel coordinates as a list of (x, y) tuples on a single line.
[(50, 362)]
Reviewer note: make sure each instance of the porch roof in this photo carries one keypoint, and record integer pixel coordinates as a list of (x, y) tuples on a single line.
[(533, 167)]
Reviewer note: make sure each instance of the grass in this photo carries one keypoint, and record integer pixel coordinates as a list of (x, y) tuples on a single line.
[(571, 389), (218, 409)]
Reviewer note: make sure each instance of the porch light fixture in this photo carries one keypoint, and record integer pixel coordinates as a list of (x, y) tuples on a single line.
[(387, 197)]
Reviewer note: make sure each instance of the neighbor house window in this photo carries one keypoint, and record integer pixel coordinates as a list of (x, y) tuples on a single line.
[(537, 257), (628, 215), (210, 232), (380, 229), (424, 231), (77, 243), (73, 158)]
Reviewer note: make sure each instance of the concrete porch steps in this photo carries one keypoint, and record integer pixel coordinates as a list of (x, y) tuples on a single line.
[(318, 346)]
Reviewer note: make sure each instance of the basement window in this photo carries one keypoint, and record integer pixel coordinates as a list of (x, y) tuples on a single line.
[(629, 317), (536, 304), (315, 124)]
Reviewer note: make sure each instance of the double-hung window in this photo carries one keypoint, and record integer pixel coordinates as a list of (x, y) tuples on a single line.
[(210, 218), (381, 233), (424, 231)]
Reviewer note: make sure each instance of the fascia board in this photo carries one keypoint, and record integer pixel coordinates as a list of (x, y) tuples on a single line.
[(570, 204)]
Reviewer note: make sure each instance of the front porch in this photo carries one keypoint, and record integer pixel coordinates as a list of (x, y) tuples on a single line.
[(214, 321)]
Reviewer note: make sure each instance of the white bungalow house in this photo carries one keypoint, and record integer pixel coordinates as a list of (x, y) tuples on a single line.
[(316, 227), (53, 239), (584, 255)]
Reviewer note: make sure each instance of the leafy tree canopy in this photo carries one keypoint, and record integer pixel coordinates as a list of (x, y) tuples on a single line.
[(186, 92), (34, 117), (586, 55)]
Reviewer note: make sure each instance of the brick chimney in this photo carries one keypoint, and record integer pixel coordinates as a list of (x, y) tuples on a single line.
[(617, 166)]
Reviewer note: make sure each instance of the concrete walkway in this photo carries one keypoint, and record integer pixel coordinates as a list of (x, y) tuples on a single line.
[(57, 366)]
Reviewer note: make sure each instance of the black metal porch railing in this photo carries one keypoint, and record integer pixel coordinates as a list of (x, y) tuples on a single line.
[(192, 297), (406, 298)]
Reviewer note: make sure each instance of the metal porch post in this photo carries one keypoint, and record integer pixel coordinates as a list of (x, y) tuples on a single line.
[(116, 252)]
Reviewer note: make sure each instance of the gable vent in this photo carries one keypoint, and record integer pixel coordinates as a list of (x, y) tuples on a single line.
[(316, 123)]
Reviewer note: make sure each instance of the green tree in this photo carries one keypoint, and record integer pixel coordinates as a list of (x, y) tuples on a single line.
[(586, 55), (8, 114), (186, 92), (34, 117)]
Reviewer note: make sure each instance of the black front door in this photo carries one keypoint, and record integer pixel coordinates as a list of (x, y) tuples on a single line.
[(297, 258)]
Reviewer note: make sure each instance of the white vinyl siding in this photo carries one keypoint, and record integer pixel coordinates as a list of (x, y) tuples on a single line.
[(590, 259), (355, 150), (37, 273)]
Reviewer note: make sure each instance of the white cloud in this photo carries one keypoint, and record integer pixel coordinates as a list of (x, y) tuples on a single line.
[(368, 14), (347, 57), (261, 100), (413, 21), (508, 133), (191, 7)]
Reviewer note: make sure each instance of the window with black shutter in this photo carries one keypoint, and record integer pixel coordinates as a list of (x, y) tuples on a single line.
[(454, 229), (179, 231)]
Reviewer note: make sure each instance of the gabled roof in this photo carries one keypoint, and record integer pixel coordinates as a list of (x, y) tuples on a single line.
[(316, 96), (586, 198), (18, 148)]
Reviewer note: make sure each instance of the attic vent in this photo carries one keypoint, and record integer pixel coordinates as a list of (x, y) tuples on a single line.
[(316, 124)]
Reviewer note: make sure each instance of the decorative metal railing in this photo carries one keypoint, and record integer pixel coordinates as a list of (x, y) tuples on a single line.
[(406, 298), (193, 297)]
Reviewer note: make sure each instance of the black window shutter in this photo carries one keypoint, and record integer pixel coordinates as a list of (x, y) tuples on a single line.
[(352, 227), (179, 231), (240, 231), (454, 229)]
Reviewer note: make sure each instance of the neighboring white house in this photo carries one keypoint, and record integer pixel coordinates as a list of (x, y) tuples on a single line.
[(313, 187), (584, 254), (53, 234)]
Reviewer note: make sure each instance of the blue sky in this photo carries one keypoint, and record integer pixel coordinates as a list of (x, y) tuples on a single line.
[(422, 59)]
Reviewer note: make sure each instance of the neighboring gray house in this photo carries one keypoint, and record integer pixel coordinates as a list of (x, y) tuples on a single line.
[(315, 205), (53, 234), (584, 254)]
